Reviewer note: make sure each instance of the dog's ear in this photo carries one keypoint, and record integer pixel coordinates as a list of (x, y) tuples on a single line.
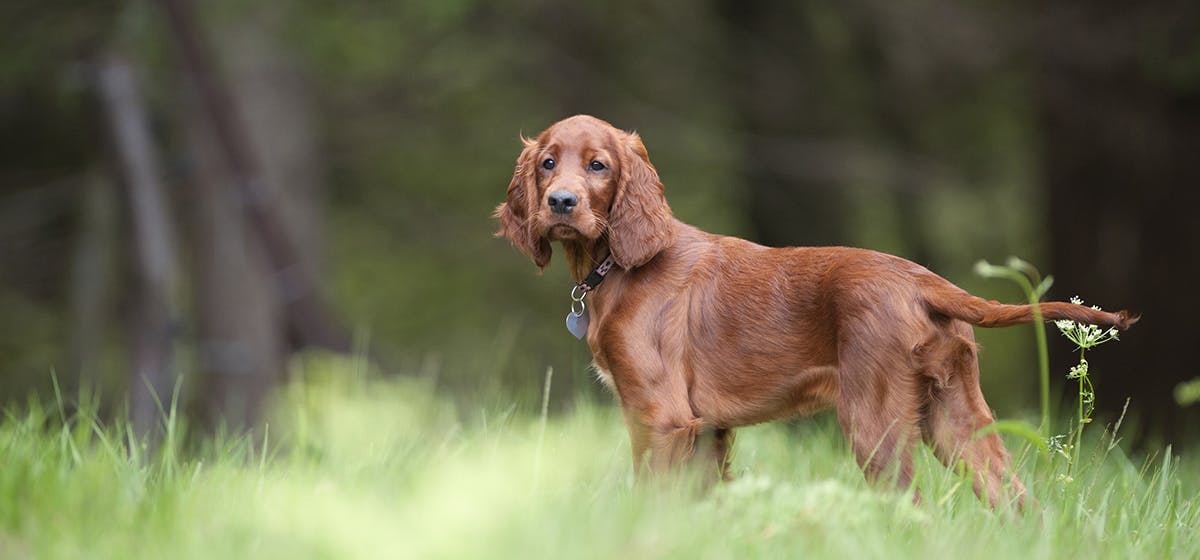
[(516, 212), (640, 224)]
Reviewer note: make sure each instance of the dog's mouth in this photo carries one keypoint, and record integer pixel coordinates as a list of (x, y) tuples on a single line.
[(559, 232)]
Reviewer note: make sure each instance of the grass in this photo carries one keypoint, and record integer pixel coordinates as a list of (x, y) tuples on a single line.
[(360, 467)]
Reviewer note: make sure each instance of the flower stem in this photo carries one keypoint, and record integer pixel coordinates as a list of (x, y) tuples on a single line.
[(1083, 379)]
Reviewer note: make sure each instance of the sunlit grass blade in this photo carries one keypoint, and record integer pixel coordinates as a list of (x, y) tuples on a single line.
[(1015, 428)]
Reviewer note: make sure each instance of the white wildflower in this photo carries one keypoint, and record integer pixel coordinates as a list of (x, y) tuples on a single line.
[(1079, 370)]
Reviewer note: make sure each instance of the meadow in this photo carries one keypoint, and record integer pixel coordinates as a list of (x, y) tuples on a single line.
[(354, 465)]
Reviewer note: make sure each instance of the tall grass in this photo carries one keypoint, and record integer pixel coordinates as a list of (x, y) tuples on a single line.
[(362, 467)]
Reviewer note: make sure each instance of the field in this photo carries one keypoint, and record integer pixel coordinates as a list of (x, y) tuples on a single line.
[(361, 467)]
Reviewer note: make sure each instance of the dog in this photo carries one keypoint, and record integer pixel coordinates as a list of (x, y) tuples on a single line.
[(698, 333)]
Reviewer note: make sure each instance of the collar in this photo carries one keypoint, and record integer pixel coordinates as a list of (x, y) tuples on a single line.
[(597, 275)]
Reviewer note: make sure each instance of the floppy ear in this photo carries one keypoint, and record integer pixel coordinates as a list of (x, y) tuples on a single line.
[(514, 214), (640, 224)]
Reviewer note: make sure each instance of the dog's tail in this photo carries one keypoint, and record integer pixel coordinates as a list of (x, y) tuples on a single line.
[(949, 300)]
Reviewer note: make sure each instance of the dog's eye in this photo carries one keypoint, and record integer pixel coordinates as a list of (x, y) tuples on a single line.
[(596, 166), (548, 164)]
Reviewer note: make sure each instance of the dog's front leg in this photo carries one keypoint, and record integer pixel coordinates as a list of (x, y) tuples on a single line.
[(662, 427)]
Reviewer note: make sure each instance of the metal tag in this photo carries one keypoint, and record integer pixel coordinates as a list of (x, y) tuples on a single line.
[(577, 324)]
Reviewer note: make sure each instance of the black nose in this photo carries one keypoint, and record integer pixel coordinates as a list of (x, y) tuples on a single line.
[(562, 202)]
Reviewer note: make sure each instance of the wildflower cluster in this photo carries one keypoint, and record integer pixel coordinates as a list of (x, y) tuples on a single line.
[(1084, 335)]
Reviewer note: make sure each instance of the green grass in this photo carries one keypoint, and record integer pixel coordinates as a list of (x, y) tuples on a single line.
[(359, 467)]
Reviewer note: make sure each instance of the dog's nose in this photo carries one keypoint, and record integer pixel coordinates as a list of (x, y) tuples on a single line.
[(562, 202)]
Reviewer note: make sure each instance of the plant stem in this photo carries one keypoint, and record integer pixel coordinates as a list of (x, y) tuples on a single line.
[(1039, 329), (1079, 420), (1031, 281), (1025, 278)]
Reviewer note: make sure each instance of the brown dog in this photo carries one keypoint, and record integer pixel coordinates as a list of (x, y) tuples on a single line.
[(697, 332)]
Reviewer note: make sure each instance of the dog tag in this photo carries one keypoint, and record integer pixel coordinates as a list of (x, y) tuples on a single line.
[(578, 324)]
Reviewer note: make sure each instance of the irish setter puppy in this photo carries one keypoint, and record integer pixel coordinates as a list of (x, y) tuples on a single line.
[(698, 333)]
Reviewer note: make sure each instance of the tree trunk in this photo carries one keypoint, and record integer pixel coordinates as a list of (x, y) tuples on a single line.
[(305, 307), (153, 242), (239, 323), (257, 227), (272, 94)]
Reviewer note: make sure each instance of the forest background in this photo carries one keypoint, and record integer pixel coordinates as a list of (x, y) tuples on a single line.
[(204, 195)]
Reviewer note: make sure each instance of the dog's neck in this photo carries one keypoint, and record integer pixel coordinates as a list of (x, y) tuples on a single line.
[(583, 256)]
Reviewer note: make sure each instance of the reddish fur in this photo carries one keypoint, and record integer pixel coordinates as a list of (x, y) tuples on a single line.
[(703, 333)]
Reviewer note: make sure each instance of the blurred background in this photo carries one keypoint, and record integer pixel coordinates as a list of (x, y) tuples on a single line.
[(203, 194)]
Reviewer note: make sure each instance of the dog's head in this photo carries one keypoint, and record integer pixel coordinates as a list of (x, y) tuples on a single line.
[(582, 180)]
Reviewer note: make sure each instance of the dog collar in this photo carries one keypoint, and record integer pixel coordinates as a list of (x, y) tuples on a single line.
[(597, 275), (577, 318)]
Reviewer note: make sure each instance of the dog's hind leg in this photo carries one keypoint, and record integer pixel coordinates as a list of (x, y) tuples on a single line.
[(956, 410), (878, 407)]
